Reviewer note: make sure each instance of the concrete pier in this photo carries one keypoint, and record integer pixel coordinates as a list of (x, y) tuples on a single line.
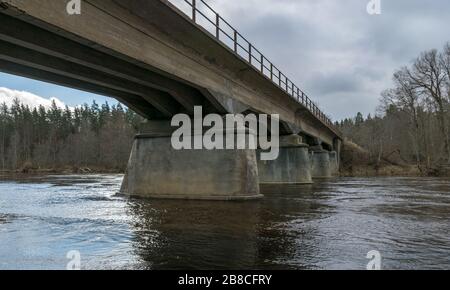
[(292, 166), (334, 163), (156, 170), (320, 163)]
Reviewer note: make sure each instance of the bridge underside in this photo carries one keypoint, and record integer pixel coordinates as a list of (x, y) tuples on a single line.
[(36, 53), (112, 49)]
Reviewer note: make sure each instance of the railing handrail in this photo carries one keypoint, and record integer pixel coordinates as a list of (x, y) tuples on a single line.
[(258, 61)]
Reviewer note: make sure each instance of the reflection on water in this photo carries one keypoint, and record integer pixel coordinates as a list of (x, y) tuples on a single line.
[(332, 224)]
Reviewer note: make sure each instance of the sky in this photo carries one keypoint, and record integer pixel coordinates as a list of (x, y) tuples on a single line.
[(35, 93), (340, 55)]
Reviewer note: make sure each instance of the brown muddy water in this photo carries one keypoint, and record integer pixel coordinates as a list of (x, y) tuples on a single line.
[(332, 224)]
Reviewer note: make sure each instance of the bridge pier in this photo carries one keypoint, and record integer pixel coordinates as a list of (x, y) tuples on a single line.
[(334, 163), (292, 165), (156, 170), (320, 163)]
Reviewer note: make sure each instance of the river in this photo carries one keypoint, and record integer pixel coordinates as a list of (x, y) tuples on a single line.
[(332, 224)]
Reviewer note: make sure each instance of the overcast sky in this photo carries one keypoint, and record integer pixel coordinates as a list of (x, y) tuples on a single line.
[(342, 56), (333, 49)]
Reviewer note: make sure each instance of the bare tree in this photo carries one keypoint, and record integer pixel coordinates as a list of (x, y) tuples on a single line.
[(408, 99), (429, 77), (413, 119)]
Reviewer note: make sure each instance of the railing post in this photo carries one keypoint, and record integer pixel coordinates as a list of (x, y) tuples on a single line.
[(250, 53), (235, 41), (279, 78), (194, 10), (271, 71), (262, 63), (217, 26)]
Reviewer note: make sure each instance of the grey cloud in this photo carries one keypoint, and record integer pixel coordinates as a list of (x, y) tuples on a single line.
[(341, 56), (336, 83)]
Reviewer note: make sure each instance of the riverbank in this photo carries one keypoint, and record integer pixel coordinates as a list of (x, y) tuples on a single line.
[(63, 170), (371, 170), (357, 162)]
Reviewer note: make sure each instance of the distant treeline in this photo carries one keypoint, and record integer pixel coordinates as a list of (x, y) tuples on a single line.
[(87, 137), (413, 119)]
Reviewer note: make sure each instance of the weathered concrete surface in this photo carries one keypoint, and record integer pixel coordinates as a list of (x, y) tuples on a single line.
[(320, 164), (292, 166), (156, 170), (337, 147), (334, 163)]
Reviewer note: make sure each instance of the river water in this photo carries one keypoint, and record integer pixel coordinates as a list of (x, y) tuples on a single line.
[(332, 224)]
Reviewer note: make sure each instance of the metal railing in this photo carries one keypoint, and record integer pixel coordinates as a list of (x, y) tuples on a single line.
[(249, 53)]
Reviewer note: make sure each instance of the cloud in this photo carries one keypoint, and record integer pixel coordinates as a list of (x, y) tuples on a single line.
[(334, 50), (7, 96)]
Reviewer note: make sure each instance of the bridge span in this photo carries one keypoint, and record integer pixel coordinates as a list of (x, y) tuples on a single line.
[(161, 61)]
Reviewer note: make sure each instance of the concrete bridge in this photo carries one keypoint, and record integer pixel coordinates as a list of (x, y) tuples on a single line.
[(159, 61)]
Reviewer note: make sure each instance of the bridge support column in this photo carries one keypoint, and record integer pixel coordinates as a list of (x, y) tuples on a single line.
[(292, 166), (337, 147), (334, 163), (320, 163), (156, 170)]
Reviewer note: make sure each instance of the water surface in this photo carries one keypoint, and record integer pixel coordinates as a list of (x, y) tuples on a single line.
[(332, 224)]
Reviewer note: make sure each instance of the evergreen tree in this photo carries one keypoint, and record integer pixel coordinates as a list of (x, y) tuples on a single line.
[(57, 138)]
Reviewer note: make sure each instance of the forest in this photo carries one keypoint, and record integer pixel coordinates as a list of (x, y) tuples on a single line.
[(411, 124), (83, 139)]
